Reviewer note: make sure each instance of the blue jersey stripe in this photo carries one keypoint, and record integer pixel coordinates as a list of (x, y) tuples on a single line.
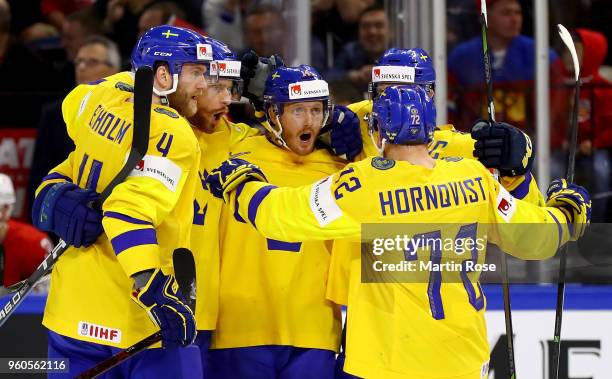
[(256, 200), (133, 238), (126, 218), (522, 189)]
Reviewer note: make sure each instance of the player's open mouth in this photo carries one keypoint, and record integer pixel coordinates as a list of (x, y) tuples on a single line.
[(305, 137)]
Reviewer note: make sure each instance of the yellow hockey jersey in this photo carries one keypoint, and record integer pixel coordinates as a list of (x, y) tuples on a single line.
[(447, 142), (215, 149), (404, 329), (272, 291), (146, 217)]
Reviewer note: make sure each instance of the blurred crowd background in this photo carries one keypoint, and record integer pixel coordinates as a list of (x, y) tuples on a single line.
[(49, 46)]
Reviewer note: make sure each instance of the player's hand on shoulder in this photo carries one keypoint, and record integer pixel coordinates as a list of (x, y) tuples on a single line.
[(225, 178), (503, 147), (158, 295), (343, 133), (574, 201), (66, 210), (254, 71)]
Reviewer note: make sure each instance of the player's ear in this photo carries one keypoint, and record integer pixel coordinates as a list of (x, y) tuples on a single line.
[(163, 78), (272, 114)]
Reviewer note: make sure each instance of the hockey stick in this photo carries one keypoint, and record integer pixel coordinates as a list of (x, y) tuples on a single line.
[(568, 41), (504, 262), (184, 268), (143, 90)]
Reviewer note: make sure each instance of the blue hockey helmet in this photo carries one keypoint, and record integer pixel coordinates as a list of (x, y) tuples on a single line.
[(293, 85), (404, 115), (225, 65), (403, 66), (174, 46)]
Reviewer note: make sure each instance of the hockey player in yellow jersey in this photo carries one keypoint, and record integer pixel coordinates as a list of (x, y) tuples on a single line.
[(503, 147), (113, 289), (398, 329), (215, 134), (273, 319)]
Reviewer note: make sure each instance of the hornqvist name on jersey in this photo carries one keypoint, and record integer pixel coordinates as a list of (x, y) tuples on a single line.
[(430, 197)]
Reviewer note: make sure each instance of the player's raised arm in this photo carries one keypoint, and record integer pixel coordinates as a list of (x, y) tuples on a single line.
[(310, 212), (529, 231)]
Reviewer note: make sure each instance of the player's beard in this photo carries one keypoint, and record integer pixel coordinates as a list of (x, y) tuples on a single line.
[(183, 103)]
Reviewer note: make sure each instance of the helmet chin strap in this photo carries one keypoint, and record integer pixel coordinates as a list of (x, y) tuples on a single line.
[(381, 147), (279, 134), (163, 94)]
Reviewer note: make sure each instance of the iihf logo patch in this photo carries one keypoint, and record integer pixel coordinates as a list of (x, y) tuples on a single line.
[(99, 332)]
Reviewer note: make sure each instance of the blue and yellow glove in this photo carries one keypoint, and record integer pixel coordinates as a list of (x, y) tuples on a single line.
[(254, 71), (225, 178), (65, 209), (159, 296), (573, 200), (503, 147), (343, 134)]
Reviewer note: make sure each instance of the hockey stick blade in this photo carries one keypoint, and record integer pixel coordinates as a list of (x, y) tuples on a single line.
[(143, 92), (184, 268), (566, 37)]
